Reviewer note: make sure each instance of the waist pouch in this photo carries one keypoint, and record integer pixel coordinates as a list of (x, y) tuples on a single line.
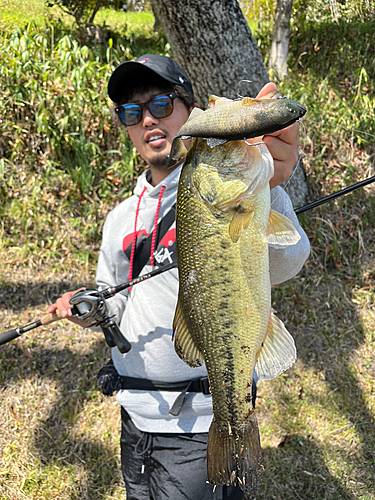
[(109, 381)]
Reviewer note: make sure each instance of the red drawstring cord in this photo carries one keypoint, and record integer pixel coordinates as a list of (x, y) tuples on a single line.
[(156, 225), (135, 235), (153, 241)]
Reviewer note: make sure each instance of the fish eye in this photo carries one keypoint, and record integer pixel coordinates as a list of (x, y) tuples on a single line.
[(291, 110)]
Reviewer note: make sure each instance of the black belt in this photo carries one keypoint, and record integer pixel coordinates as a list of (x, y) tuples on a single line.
[(195, 385)]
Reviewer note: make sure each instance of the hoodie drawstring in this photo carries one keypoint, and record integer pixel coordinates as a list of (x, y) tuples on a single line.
[(156, 225), (153, 241), (135, 235)]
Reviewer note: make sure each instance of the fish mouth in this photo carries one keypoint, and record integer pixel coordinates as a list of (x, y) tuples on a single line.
[(301, 110)]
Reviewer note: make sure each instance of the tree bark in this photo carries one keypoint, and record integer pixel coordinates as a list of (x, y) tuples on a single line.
[(211, 41), (280, 38)]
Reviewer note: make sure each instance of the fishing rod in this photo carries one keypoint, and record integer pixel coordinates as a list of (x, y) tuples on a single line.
[(335, 195), (89, 304)]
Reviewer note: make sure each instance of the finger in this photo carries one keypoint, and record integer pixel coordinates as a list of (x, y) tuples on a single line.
[(282, 150), (269, 87), (52, 308), (282, 172)]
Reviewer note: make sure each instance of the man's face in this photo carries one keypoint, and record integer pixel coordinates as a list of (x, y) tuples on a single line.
[(153, 137)]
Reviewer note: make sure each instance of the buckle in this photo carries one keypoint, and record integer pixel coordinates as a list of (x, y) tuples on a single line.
[(204, 385)]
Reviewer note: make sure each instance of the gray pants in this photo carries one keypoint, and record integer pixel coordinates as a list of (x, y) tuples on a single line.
[(167, 466)]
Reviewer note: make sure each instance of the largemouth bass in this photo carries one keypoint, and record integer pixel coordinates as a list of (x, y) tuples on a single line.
[(224, 224)]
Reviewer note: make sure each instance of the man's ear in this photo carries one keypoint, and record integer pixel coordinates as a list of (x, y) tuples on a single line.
[(195, 106)]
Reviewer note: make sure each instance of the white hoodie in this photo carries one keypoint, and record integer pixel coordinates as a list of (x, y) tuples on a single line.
[(145, 314)]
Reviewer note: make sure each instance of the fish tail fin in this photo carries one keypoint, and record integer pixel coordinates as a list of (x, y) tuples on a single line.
[(235, 458)]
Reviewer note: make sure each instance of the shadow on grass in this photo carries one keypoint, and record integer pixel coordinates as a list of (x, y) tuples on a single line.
[(24, 295), (59, 440), (297, 472), (328, 332)]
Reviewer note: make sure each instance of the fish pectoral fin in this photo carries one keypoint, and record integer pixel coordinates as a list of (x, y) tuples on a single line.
[(213, 142), (178, 152), (184, 344), (240, 222), (278, 351), (208, 183), (218, 193), (280, 230)]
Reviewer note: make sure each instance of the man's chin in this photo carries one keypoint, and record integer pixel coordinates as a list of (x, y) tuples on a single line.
[(159, 162)]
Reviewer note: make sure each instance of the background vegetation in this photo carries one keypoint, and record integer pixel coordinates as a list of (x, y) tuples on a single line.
[(64, 165)]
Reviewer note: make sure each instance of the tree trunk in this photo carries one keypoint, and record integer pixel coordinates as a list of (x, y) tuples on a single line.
[(280, 38), (212, 42)]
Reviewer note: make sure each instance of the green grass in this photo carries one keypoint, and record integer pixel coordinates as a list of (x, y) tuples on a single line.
[(64, 165)]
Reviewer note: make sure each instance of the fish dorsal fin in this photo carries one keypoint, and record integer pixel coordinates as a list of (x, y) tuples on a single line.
[(183, 342), (278, 351), (240, 222), (249, 101), (213, 142), (280, 230), (178, 152)]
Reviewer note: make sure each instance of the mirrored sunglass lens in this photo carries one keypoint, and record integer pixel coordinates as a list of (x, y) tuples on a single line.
[(161, 107), (130, 115)]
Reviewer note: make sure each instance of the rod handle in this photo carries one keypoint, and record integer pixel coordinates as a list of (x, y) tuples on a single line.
[(17, 332), (50, 317)]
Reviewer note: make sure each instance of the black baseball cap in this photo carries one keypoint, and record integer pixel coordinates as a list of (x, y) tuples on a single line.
[(126, 76)]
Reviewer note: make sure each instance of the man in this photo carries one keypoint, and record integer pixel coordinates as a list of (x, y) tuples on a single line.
[(163, 442)]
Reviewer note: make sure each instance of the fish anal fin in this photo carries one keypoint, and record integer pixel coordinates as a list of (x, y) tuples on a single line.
[(278, 351), (240, 222), (280, 230), (184, 344)]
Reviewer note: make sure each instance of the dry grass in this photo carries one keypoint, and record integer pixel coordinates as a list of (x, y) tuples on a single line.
[(59, 436)]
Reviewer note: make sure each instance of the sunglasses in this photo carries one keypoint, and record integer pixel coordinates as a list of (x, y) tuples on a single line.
[(160, 107)]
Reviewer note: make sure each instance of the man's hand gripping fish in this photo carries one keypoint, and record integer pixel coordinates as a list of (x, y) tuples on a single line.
[(224, 225)]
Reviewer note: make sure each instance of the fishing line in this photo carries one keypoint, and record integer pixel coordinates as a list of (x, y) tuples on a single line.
[(339, 126), (289, 179)]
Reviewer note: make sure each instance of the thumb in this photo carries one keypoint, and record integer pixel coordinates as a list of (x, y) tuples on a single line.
[(269, 87)]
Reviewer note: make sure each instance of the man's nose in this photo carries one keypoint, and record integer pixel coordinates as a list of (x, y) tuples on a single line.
[(148, 119)]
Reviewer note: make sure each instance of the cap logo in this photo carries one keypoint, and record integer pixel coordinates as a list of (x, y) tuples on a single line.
[(181, 79), (143, 60)]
